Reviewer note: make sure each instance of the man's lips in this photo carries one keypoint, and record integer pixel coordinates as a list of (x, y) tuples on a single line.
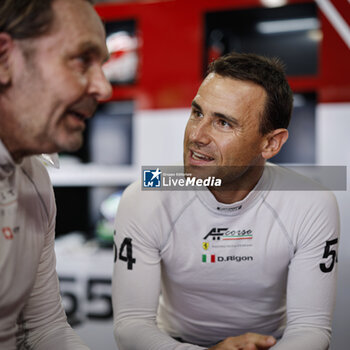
[(199, 158), (76, 120), (80, 115), (84, 109)]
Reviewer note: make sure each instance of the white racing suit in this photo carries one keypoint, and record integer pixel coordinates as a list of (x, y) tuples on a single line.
[(266, 264)]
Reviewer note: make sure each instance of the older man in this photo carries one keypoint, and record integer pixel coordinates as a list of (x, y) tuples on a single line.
[(51, 53)]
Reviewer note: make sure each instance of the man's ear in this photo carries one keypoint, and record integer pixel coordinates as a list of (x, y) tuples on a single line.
[(273, 142), (6, 44)]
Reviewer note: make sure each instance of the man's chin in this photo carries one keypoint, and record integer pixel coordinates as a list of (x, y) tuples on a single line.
[(201, 172), (70, 144)]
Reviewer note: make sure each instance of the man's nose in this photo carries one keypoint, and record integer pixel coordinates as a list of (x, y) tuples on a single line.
[(200, 132), (99, 86)]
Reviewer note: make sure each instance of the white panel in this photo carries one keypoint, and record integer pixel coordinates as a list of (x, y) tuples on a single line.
[(332, 134), (158, 136), (333, 148), (83, 266)]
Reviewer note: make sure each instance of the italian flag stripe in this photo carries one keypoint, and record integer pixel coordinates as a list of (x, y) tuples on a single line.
[(205, 258)]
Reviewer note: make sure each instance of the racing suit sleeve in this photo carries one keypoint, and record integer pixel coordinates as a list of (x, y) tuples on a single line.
[(42, 324), (312, 277), (136, 283)]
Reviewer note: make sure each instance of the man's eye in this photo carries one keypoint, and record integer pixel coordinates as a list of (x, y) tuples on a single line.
[(196, 113), (84, 60), (222, 123)]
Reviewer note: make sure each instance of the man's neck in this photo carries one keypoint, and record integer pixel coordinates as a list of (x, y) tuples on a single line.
[(242, 187), (16, 155)]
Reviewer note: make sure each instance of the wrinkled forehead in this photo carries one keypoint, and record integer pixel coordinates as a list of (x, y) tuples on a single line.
[(76, 24), (77, 15)]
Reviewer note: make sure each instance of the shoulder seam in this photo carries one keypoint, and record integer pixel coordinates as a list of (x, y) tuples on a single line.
[(176, 219), (38, 193), (284, 230)]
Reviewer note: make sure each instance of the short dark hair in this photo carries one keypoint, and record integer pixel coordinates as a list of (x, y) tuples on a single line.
[(266, 72), (25, 19)]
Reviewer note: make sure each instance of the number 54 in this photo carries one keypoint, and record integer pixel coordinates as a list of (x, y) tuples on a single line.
[(128, 258)]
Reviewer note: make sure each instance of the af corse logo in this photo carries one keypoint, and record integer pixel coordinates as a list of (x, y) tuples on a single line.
[(218, 233)]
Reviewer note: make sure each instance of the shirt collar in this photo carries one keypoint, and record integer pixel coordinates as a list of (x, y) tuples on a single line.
[(7, 164), (237, 208)]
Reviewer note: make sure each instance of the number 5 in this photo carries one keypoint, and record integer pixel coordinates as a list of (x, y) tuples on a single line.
[(328, 252)]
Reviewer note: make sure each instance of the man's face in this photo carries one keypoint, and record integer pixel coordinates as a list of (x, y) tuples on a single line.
[(56, 88), (223, 128)]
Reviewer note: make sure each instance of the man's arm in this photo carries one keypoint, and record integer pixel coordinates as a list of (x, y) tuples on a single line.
[(137, 275), (311, 285), (42, 324)]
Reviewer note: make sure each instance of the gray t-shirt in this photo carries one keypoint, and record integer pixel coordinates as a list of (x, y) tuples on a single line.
[(31, 312)]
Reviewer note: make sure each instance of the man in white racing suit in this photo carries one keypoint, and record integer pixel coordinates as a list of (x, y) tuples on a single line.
[(51, 55), (248, 265)]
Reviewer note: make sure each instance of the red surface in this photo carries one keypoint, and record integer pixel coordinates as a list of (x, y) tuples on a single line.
[(335, 59), (172, 37)]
